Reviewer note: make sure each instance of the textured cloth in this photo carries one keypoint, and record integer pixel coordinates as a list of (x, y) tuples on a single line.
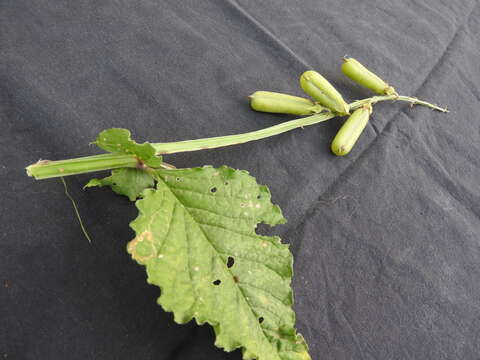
[(385, 240)]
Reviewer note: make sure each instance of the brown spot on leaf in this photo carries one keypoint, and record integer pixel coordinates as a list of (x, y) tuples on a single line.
[(132, 246)]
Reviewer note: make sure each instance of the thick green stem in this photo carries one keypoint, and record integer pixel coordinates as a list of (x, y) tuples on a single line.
[(45, 169)]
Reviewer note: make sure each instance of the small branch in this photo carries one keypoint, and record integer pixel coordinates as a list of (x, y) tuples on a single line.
[(415, 101), (412, 100)]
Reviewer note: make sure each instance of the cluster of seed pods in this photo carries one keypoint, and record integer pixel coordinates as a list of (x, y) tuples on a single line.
[(327, 98)]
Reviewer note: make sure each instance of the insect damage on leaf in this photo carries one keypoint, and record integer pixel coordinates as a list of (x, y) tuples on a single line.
[(127, 181), (196, 237), (118, 140)]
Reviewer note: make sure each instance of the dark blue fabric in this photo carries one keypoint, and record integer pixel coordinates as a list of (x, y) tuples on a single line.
[(386, 240)]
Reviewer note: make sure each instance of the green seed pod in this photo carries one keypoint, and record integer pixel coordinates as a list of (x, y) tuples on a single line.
[(350, 131), (322, 91), (361, 75), (273, 102)]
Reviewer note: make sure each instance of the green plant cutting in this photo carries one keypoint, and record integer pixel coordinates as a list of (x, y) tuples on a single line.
[(196, 227)]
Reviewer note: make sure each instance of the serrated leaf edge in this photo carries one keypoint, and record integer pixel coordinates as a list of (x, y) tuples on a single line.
[(216, 325)]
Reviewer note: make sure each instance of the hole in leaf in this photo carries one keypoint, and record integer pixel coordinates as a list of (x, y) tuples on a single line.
[(259, 196), (178, 179), (264, 229), (226, 183), (213, 189), (260, 319), (217, 282), (230, 262)]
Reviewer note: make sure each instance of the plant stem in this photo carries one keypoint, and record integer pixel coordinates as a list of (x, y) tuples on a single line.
[(220, 141), (411, 100), (45, 169)]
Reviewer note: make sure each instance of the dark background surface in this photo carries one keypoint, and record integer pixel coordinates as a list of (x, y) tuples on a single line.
[(386, 240)]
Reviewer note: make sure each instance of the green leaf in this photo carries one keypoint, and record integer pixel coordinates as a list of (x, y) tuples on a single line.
[(126, 181), (118, 140), (195, 234)]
